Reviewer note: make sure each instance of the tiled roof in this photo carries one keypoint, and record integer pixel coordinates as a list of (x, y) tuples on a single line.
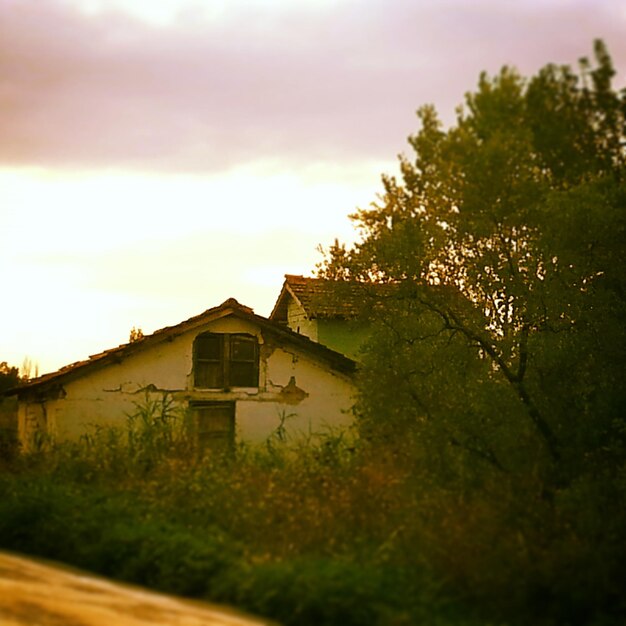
[(321, 298), (335, 360)]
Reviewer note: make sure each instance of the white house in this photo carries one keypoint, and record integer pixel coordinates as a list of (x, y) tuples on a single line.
[(235, 371)]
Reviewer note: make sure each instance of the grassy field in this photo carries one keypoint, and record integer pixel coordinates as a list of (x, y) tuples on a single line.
[(327, 531)]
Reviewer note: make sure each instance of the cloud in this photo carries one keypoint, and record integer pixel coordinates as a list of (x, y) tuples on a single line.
[(280, 83)]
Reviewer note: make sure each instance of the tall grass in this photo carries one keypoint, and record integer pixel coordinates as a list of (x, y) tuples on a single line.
[(327, 531)]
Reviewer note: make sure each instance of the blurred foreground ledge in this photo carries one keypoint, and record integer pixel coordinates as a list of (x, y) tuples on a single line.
[(33, 593)]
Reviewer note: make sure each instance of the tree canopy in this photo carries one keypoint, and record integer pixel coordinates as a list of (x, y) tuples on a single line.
[(501, 342), (9, 376)]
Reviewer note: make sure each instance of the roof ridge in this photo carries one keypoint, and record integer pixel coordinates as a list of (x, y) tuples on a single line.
[(126, 349), (301, 278)]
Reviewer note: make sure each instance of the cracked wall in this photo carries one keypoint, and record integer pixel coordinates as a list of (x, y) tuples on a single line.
[(291, 383)]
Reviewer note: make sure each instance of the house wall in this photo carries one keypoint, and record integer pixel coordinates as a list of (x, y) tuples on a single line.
[(8, 423), (307, 396), (291, 383), (343, 336), (298, 321)]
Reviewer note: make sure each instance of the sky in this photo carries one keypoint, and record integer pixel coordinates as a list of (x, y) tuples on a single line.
[(160, 156)]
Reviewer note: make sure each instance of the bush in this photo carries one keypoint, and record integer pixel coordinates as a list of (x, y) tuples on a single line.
[(110, 533), (328, 532), (312, 590)]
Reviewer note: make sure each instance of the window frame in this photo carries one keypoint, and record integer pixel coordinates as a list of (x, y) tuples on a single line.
[(227, 361)]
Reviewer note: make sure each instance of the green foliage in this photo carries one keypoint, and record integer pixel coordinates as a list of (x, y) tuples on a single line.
[(109, 533), (332, 531), (314, 590), (216, 528), (156, 430), (158, 426), (495, 372), (9, 376), (503, 339)]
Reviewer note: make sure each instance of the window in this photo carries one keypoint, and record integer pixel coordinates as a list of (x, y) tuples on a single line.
[(214, 424), (224, 360)]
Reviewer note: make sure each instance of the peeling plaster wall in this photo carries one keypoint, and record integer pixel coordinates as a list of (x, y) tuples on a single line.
[(327, 402), (291, 383), (105, 396)]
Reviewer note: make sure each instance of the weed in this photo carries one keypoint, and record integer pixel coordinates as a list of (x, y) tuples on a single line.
[(324, 530)]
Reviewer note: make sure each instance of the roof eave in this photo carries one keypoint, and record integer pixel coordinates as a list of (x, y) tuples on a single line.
[(336, 360)]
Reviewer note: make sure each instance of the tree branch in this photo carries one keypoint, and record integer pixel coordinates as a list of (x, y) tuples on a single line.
[(454, 323)]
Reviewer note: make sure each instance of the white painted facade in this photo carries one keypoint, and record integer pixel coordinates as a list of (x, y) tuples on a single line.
[(294, 381), (299, 322)]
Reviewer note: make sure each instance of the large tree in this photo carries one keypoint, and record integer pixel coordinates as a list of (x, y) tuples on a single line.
[(501, 340)]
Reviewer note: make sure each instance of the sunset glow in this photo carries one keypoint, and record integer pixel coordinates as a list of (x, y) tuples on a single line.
[(158, 157)]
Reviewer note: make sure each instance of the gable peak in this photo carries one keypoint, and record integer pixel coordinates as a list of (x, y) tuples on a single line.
[(234, 304)]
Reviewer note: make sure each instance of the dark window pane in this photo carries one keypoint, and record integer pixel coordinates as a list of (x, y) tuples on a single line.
[(209, 375), (209, 347), (243, 374), (242, 348)]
